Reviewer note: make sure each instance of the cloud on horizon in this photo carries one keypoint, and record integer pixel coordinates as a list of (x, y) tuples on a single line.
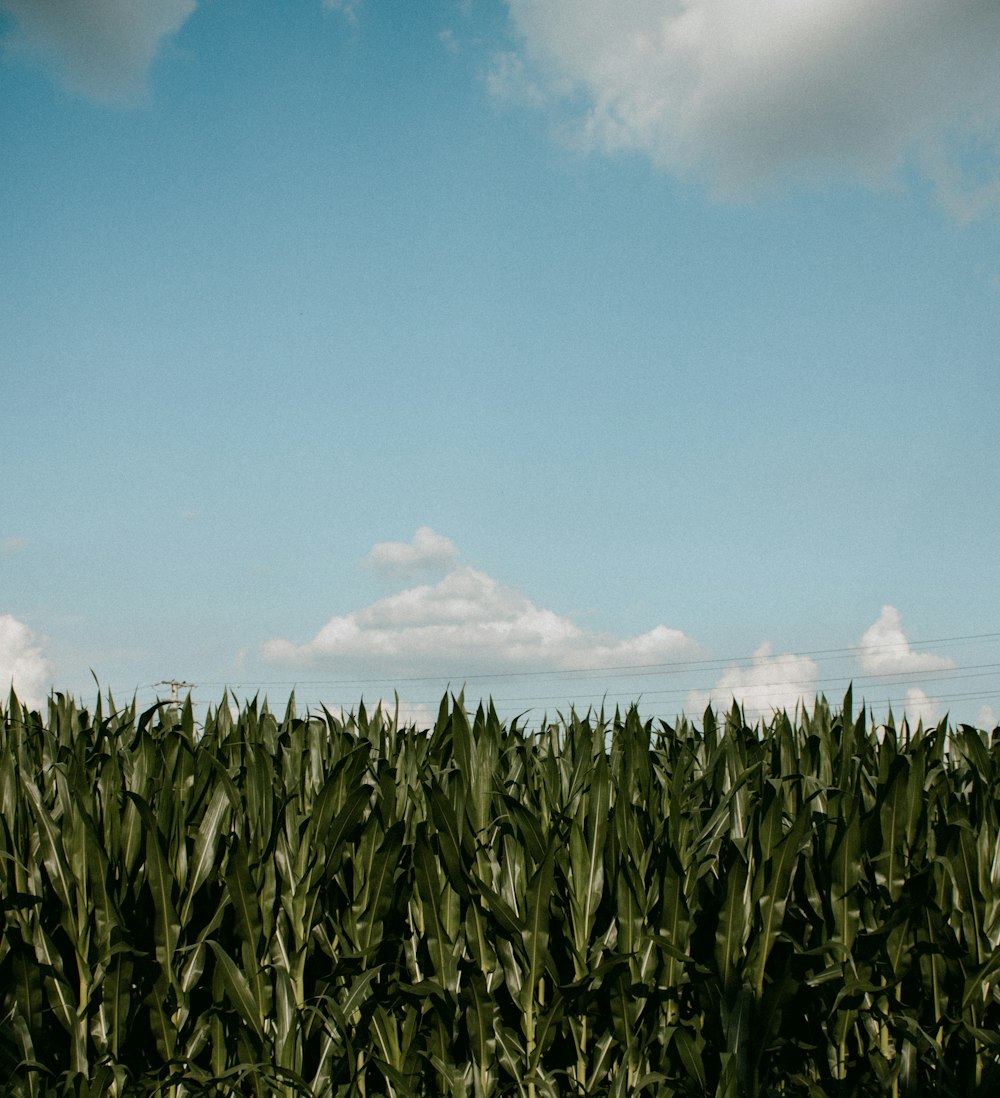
[(885, 650), (920, 708), (779, 682), (465, 623), (405, 712), (101, 49), (751, 95), (469, 624), (22, 662), (770, 683)]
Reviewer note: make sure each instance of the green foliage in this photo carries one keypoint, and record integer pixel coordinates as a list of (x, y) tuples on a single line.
[(600, 906)]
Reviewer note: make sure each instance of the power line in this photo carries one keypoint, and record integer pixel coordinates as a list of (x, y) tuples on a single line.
[(871, 686), (928, 675), (692, 667), (679, 666)]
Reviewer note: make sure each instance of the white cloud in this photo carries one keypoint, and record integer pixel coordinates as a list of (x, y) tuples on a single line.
[(427, 551), (986, 719), (747, 93), (23, 662), (100, 48), (885, 650), (919, 707), (464, 624), (415, 713), (407, 712), (770, 683)]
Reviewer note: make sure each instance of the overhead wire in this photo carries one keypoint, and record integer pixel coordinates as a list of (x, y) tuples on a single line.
[(317, 690), (664, 667)]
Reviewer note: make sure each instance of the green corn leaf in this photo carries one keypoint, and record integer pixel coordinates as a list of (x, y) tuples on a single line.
[(237, 989), (734, 922), (381, 870), (161, 1017), (161, 885), (438, 910), (343, 824), (244, 897), (890, 863), (691, 1057), (675, 923), (54, 856), (528, 827), (59, 992), (535, 935), (449, 839), (480, 1022), (777, 871), (511, 1053), (205, 848), (586, 859), (846, 876), (345, 778)]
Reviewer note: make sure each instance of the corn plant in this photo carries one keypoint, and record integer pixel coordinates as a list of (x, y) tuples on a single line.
[(344, 905)]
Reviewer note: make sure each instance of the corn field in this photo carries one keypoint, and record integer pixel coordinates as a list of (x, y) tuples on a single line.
[(344, 906)]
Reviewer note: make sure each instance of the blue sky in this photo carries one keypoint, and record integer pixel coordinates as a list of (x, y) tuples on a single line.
[(560, 349)]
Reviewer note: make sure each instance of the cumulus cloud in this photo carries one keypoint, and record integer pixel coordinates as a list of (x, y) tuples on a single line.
[(885, 650), (748, 93), (22, 662), (468, 622), (101, 49), (987, 718), (919, 707), (11, 545), (769, 683), (428, 551)]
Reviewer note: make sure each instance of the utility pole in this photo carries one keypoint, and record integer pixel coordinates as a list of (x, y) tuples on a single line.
[(175, 687)]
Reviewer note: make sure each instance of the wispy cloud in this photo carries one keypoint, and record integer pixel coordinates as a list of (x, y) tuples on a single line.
[(747, 95), (22, 662), (769, 683), (101, 49), (427, 551), (347, 8), (11, 545), (509, 79)]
